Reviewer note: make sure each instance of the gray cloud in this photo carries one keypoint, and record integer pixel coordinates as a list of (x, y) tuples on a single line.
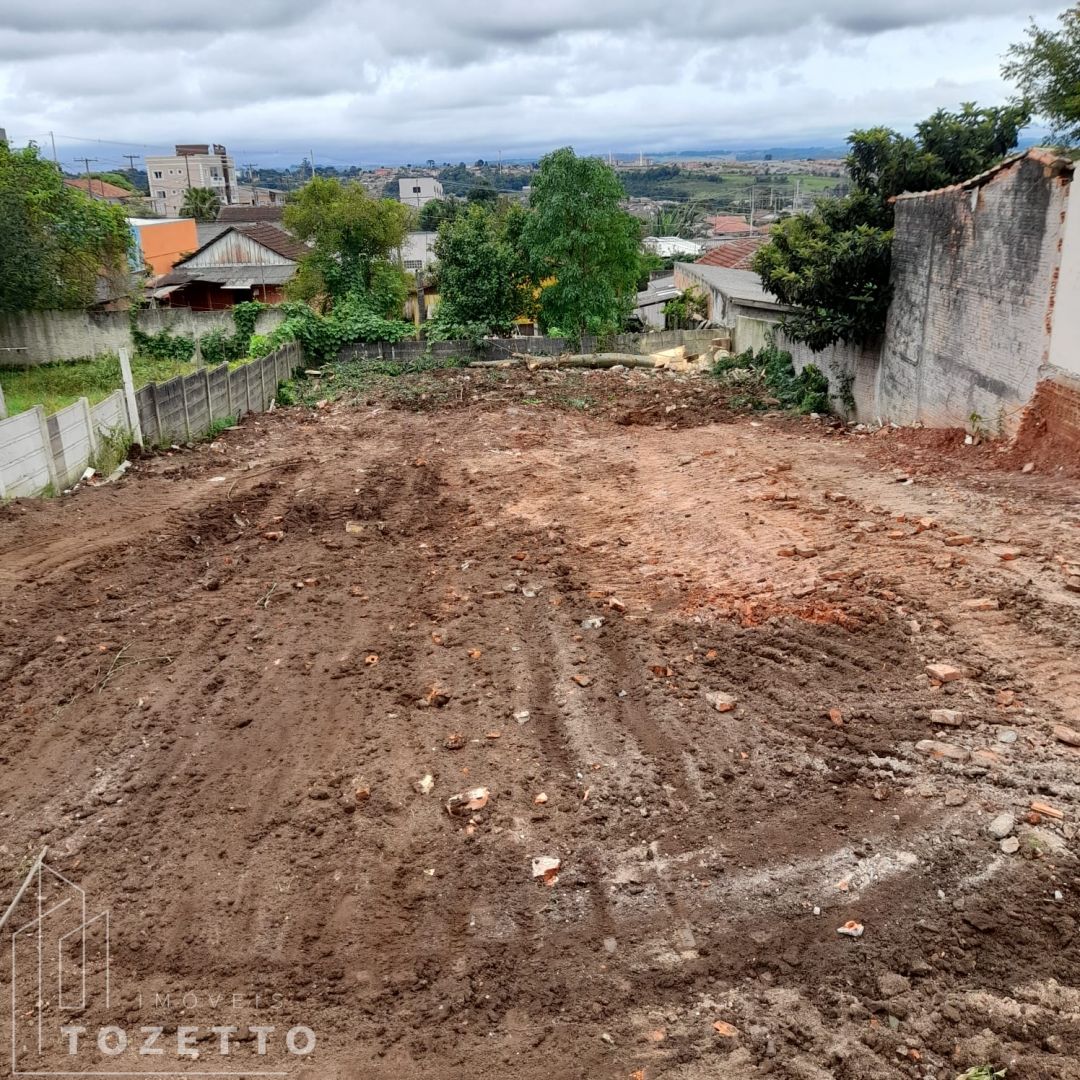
[(436, 78)]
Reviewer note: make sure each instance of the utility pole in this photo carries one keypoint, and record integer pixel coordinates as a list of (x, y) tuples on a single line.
[(751, 206), (131, 161), (311, 154), (795, 201), (56, 161), (89, 180)]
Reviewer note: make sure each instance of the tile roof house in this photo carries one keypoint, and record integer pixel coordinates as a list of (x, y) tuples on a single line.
[(100, 189), (250, 215), (245, 262), (733, 254), (728, 225)]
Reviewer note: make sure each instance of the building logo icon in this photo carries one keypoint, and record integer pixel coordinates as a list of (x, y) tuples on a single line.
[(64, 1021)]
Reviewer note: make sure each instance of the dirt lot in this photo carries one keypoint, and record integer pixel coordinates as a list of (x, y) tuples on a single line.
[(226, 678)]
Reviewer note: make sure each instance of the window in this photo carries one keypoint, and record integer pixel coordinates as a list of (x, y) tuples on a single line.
[(157, 175), (161, 194), (413, 264), (416, 190)]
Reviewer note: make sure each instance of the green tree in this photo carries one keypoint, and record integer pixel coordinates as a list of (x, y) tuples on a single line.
[(832, 263), (482, 274), (1046, 67), (689, 307), (435, 212), (352, 238), (583, 245), (202, 204), (484, 193), (55, 242)]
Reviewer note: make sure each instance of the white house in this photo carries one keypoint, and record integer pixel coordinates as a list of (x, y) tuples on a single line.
[(666, 246)]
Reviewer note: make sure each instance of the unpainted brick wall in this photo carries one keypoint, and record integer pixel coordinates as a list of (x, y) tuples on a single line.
[(973, 277)]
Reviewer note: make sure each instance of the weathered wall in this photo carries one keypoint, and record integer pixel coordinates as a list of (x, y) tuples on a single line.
[(973, 278), (852, 372), (44, 336)]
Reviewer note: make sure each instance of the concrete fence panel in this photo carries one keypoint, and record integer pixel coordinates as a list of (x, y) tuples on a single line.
[(110, 414), (71, 442), (25, 463)]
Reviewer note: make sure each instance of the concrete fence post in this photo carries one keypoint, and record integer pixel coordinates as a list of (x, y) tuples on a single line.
[(46, 445), (209, 399), (187, 415), (129, 399), (88, 419), (3, 413)]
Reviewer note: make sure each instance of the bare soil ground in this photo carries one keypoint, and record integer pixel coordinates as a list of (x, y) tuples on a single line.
[(225, 678)]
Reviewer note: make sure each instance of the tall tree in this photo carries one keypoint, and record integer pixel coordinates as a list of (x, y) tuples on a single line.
[(352, 237), (832, 263), (482, 274), (1046, 67), (583, 245), (55, 242), (199, 203), (436, 211)]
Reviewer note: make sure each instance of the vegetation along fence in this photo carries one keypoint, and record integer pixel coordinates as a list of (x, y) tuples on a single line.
[(40, 453)]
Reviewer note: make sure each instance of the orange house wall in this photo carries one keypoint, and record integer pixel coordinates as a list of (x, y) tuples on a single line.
[(165, 242)]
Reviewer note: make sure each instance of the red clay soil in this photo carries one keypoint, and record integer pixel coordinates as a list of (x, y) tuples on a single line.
[(240, 687)]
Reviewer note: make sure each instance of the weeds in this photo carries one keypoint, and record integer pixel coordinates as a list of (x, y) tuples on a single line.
[(349, 380), (806, 391), (112, 448), (982, 1072)]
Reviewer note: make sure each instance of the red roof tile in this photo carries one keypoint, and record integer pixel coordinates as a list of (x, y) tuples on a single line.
[(728, 223), (100, 189), (733, 254)]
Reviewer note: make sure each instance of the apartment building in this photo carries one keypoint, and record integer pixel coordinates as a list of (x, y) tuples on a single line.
[(415, 191), (194, 165)]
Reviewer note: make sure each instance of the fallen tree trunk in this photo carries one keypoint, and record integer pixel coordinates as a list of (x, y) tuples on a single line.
[(592, 360)]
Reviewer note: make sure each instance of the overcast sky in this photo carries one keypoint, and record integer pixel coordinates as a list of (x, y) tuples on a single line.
[(405, 80)]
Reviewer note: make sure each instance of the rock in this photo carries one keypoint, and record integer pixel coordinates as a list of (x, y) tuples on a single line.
[(1066, 735), (593, 622), (890, 984), (354, 528), (1002, 825), (581, 680), (725, 1030), (959, 541), (546, 867), (944, 673), (1006, 736), (804, 551), (946, 718), (786, 552), (720, 701), (942, 751), (464, 802), (955, 797), (454, 741), (851, 929), (1008, 554), (983, 603), (425, 785), (1029, 467), (1010, 845)]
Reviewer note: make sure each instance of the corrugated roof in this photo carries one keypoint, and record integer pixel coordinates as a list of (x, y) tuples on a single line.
[(733, 254), (229, 276), (277, 240), (250, 215)]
